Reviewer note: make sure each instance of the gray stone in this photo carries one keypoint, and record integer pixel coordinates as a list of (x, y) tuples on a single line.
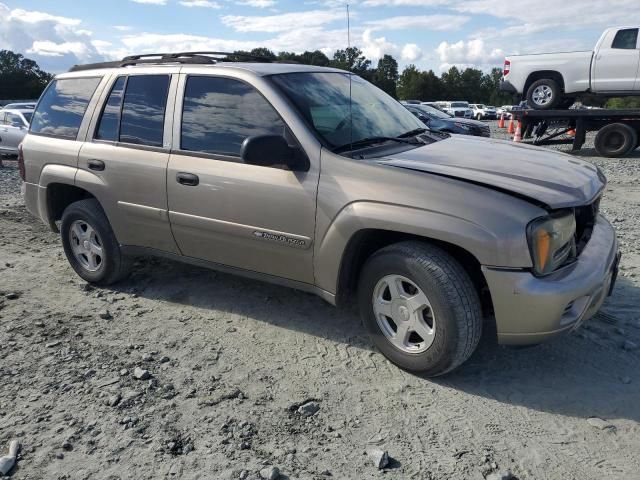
[(105, 315), (12, 296), (141, 374), (506, 475), (270, 473), (379, 458), (599, 423), (309, 409)]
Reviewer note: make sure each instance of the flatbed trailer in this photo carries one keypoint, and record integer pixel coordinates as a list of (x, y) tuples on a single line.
[(618, 130)]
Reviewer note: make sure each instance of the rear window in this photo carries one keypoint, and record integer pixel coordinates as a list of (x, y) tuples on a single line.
[(143, 109), (62, 107)]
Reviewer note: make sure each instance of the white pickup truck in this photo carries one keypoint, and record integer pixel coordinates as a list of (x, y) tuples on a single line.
[(553, 80)]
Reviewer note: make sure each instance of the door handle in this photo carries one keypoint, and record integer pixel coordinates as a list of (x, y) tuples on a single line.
[(188, 179), (94, 164)]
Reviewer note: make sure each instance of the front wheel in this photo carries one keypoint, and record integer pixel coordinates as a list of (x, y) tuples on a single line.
[(479, 116), (616, 140), (420, 307), (544, 94), (90, 244)]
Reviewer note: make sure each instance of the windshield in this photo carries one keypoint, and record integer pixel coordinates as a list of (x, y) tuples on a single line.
[(323, 100), (459, 105), (432, 112)]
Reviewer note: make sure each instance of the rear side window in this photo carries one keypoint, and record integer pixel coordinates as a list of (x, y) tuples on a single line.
[(220, 113), (62, 107), (145, 101), (626, 39)]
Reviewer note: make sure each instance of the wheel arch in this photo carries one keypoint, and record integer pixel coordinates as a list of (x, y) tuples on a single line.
[(542, 74), (59, 196)]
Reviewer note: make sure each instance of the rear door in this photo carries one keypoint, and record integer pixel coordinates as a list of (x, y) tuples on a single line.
[(124, 160), (257, 218), (616, 62)]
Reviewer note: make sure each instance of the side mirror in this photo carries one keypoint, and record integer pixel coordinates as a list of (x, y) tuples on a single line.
[(270, 150)]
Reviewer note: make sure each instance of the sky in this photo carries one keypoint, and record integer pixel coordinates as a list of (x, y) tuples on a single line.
[(432, 34)]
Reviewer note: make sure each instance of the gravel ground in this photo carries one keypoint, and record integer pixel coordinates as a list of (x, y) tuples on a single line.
[(181, 372)]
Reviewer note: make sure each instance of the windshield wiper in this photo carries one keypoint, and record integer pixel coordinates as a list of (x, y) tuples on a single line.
[(365, 142), (413, 133)]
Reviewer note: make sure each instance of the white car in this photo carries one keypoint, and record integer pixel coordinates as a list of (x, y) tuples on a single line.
[(550, 80), (14, 125), (483, 112), (457, 109)]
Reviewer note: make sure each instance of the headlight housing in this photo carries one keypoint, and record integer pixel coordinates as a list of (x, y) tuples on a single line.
[(552, 241)]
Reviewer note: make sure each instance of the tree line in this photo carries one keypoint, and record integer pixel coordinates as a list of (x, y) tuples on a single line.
[(22, 78)]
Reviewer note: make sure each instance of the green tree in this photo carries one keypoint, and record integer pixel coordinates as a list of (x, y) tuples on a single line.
[(410, 84), (307, 58), (351, 59), (386, 75), (20, 78)]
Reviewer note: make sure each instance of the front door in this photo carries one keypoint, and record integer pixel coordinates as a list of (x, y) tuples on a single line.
[(257, 218), (616, 66), (12, 131), (124, 162)]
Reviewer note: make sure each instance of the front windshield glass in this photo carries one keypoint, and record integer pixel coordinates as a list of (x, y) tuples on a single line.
[(459, 105), (433, 112), (323, 100)]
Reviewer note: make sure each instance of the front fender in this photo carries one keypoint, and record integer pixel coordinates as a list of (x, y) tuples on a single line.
[(487, 247)]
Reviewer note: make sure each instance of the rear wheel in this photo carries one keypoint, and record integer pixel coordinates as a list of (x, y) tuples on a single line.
[(420, 307), (90, 244), (616, 140), (479, 116), (544, 94)]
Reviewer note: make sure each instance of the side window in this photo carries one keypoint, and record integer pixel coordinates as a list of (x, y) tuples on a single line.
[(626, 39), (12, 119), (143, 110), (63, 106), (219, 113), (110, 119)]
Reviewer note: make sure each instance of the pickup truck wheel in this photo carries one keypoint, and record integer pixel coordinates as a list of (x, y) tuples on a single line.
[(90, 244), (544, 94), (420, 307), (616, 140)]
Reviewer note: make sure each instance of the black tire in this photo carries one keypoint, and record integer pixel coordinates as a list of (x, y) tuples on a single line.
[(555, 92), (479, 117), (114, 266), (616, 140), (453, 297)]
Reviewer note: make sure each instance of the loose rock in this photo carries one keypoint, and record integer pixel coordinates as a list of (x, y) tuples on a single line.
[(270, 473), (599, 423), (309, 409), (141, 374), (379, 458), (500, 476)]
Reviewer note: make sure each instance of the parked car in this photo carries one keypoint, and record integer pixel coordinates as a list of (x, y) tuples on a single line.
[(19, 106), (440, 121), (13, 127), (457, 109), (313, 178), (553, 80), (483, 112)]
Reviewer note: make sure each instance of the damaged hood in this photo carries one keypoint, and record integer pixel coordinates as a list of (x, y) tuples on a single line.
[(553, 179)]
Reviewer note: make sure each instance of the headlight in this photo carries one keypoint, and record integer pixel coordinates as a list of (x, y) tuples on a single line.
[(552, 241)]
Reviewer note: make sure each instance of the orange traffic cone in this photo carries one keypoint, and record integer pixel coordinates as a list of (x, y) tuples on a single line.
[(501, 122), (511, 128), (571, 132), (518, 136)]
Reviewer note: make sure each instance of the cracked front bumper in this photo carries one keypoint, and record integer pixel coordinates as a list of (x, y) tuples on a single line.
[(530, 309)]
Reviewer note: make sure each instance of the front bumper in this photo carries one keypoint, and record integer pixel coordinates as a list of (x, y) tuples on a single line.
[(531, 309)]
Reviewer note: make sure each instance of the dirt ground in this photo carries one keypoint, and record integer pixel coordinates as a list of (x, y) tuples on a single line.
[(230, 361)]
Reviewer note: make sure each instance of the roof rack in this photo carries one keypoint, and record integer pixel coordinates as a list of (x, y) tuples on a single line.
[(197, 58)]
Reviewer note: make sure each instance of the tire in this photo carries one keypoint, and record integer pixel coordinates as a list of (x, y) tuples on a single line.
[(109, 265), (544, 94), (452, 319), (616, 140), (479, 117)]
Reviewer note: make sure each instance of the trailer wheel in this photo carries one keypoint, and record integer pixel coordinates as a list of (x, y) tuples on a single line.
[(544, 94), (616, 140)]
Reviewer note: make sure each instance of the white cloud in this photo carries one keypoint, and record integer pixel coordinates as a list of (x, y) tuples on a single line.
[(375, 48), (200, 4), (258, 3), (472, 52), (51, 49), (405, 3), (27, 16), (123, 28), (431, 22), (283, 22), (411, 52)]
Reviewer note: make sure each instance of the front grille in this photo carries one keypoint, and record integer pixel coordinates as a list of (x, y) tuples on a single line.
[(458, 114), (585, 221)]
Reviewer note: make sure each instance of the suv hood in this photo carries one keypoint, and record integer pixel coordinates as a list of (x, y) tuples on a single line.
[(552, 179)]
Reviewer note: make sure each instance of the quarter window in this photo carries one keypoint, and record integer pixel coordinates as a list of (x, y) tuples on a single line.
[(62, 107), (220, 113), (110, 120), (626, 39), (143, 110)]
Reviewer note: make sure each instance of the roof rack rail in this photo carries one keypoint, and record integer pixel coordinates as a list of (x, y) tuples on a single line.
[(197, 58)]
